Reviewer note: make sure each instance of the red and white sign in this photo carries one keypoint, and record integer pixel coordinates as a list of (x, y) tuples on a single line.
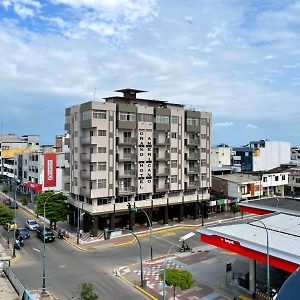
[(49, 169), (34, 186)]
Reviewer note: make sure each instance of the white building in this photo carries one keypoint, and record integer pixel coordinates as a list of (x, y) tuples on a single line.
[(295, 156), (221, 156), (268, 155), (274, 182)]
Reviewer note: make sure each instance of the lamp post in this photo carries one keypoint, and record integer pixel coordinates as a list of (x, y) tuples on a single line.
[(78, 220), (183, 238), (44, 246), (150, 228), (268, 258), (15, 217)]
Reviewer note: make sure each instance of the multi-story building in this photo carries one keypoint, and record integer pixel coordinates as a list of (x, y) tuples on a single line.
[(11, 145), (150, 153), (295, 156), (221, 156)]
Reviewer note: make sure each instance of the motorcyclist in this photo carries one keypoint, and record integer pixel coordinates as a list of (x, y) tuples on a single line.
[(60, 234)]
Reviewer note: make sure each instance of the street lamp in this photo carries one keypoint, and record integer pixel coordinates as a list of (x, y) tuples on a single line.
[(15, 216), (268, 258), (183, 238), (44, 246)]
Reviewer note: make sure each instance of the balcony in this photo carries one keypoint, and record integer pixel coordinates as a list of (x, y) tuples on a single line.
[(192, 156), (127, 157), (192, 170), (127, 173), (192, 142), (85, 157), (161, 157), (192, 185), (84, 191), (162, 172), (162, 142), (162, 188), (86, 140), (126, 141), (67, 156), (125, 190), (85, 174)]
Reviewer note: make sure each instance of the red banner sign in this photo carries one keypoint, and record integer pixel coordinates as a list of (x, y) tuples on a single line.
[(49, 169), (34, 186)]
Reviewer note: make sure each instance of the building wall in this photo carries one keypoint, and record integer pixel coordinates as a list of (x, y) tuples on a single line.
[(221, 156), (271, 156)]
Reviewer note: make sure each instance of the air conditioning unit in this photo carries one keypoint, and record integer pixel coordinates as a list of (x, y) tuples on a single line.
[(167, 180), (198, 133), (168, 151), (198, 161), (168, 162)]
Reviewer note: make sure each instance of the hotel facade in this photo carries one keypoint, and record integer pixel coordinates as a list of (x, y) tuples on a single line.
[(152, 154)]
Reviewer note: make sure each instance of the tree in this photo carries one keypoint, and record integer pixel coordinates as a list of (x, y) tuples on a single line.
[(86, 292), (24, 200), (5, 190), (234, 209), (6, 215), (176, 277), (56, 209)]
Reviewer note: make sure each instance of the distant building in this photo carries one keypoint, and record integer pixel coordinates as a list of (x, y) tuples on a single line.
[(295, 156), (221, 156), (261, 155)]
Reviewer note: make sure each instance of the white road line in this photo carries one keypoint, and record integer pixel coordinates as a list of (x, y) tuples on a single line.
[(36, 249), (166, 241)]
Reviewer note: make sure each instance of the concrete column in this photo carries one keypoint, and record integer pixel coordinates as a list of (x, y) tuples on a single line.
[(132, 221), (166, 215), (180, 212), (196, 210), (95, 225), (112, 221), (86, 222), (252, 275)]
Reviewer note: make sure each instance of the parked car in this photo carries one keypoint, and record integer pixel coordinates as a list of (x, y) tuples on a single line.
[(10, 226), (14, 204), (23, 232), (49, 235), (6, 201), (31, 225)]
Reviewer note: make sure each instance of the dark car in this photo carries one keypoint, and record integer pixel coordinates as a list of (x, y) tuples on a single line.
[(23, 232), (49, 235), (14, 204)]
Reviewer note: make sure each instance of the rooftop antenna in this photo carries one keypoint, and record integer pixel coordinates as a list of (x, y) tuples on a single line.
[(94, 93)]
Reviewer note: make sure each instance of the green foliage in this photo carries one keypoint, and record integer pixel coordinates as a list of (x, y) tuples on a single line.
[(24, 200), (86, 292), (176, 277), (6, 215), (5, 190), (234, 208), (56, 208)]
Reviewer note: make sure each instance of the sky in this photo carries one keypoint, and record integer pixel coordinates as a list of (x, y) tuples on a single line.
[(239, 59)]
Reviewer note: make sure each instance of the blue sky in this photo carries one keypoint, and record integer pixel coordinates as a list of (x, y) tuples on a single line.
[(238, 59)]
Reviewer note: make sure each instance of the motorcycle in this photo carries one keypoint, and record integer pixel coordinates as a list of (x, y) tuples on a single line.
[(60, 234)]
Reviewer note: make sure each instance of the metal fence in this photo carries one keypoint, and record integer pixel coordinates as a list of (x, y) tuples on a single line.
[(23, 293)]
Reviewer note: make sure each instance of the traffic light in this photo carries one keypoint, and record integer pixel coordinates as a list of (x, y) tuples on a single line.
[(131, 208)]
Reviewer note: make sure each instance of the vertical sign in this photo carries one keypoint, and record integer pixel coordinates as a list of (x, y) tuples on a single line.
[(141, 161), (49, 169), (149, 166)]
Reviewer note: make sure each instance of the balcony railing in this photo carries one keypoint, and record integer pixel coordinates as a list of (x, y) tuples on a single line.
[(162, 188), (162, 172), (193, 156), (193, 142), (126, 190), (127, 173), (193, 170), (85, 174), (85, 157), (85, 140), (127, 141), (127, 157), (162, 142), (162, 157)]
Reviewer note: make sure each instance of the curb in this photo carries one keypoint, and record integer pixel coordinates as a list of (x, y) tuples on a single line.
[(138, 288)]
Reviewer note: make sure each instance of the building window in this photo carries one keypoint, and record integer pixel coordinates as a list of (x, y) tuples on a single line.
[(173, 178), (173, 150), (173, 135), (126, 116), (173, 163), (86, 115), (145, 118), (283, 177), (276, 178), (75, 181), (265, 179), (76, 133), (75, 165), (101, 150), (203, 163), (162, 119), (203, 136), (203, 150), (103, 201), (99, 114), (174, 119), (203, 121), (101, 183), (76, 150), (89, 201), (102, 166), (101, 132), (192, 121)]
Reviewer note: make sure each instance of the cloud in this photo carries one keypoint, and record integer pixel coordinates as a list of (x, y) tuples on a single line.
[(223, 125), (251, 126)]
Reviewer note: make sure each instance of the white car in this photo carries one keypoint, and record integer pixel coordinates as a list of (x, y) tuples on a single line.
[(32, 224)]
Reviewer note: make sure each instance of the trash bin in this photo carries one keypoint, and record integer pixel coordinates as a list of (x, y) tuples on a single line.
[(106, 233)]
